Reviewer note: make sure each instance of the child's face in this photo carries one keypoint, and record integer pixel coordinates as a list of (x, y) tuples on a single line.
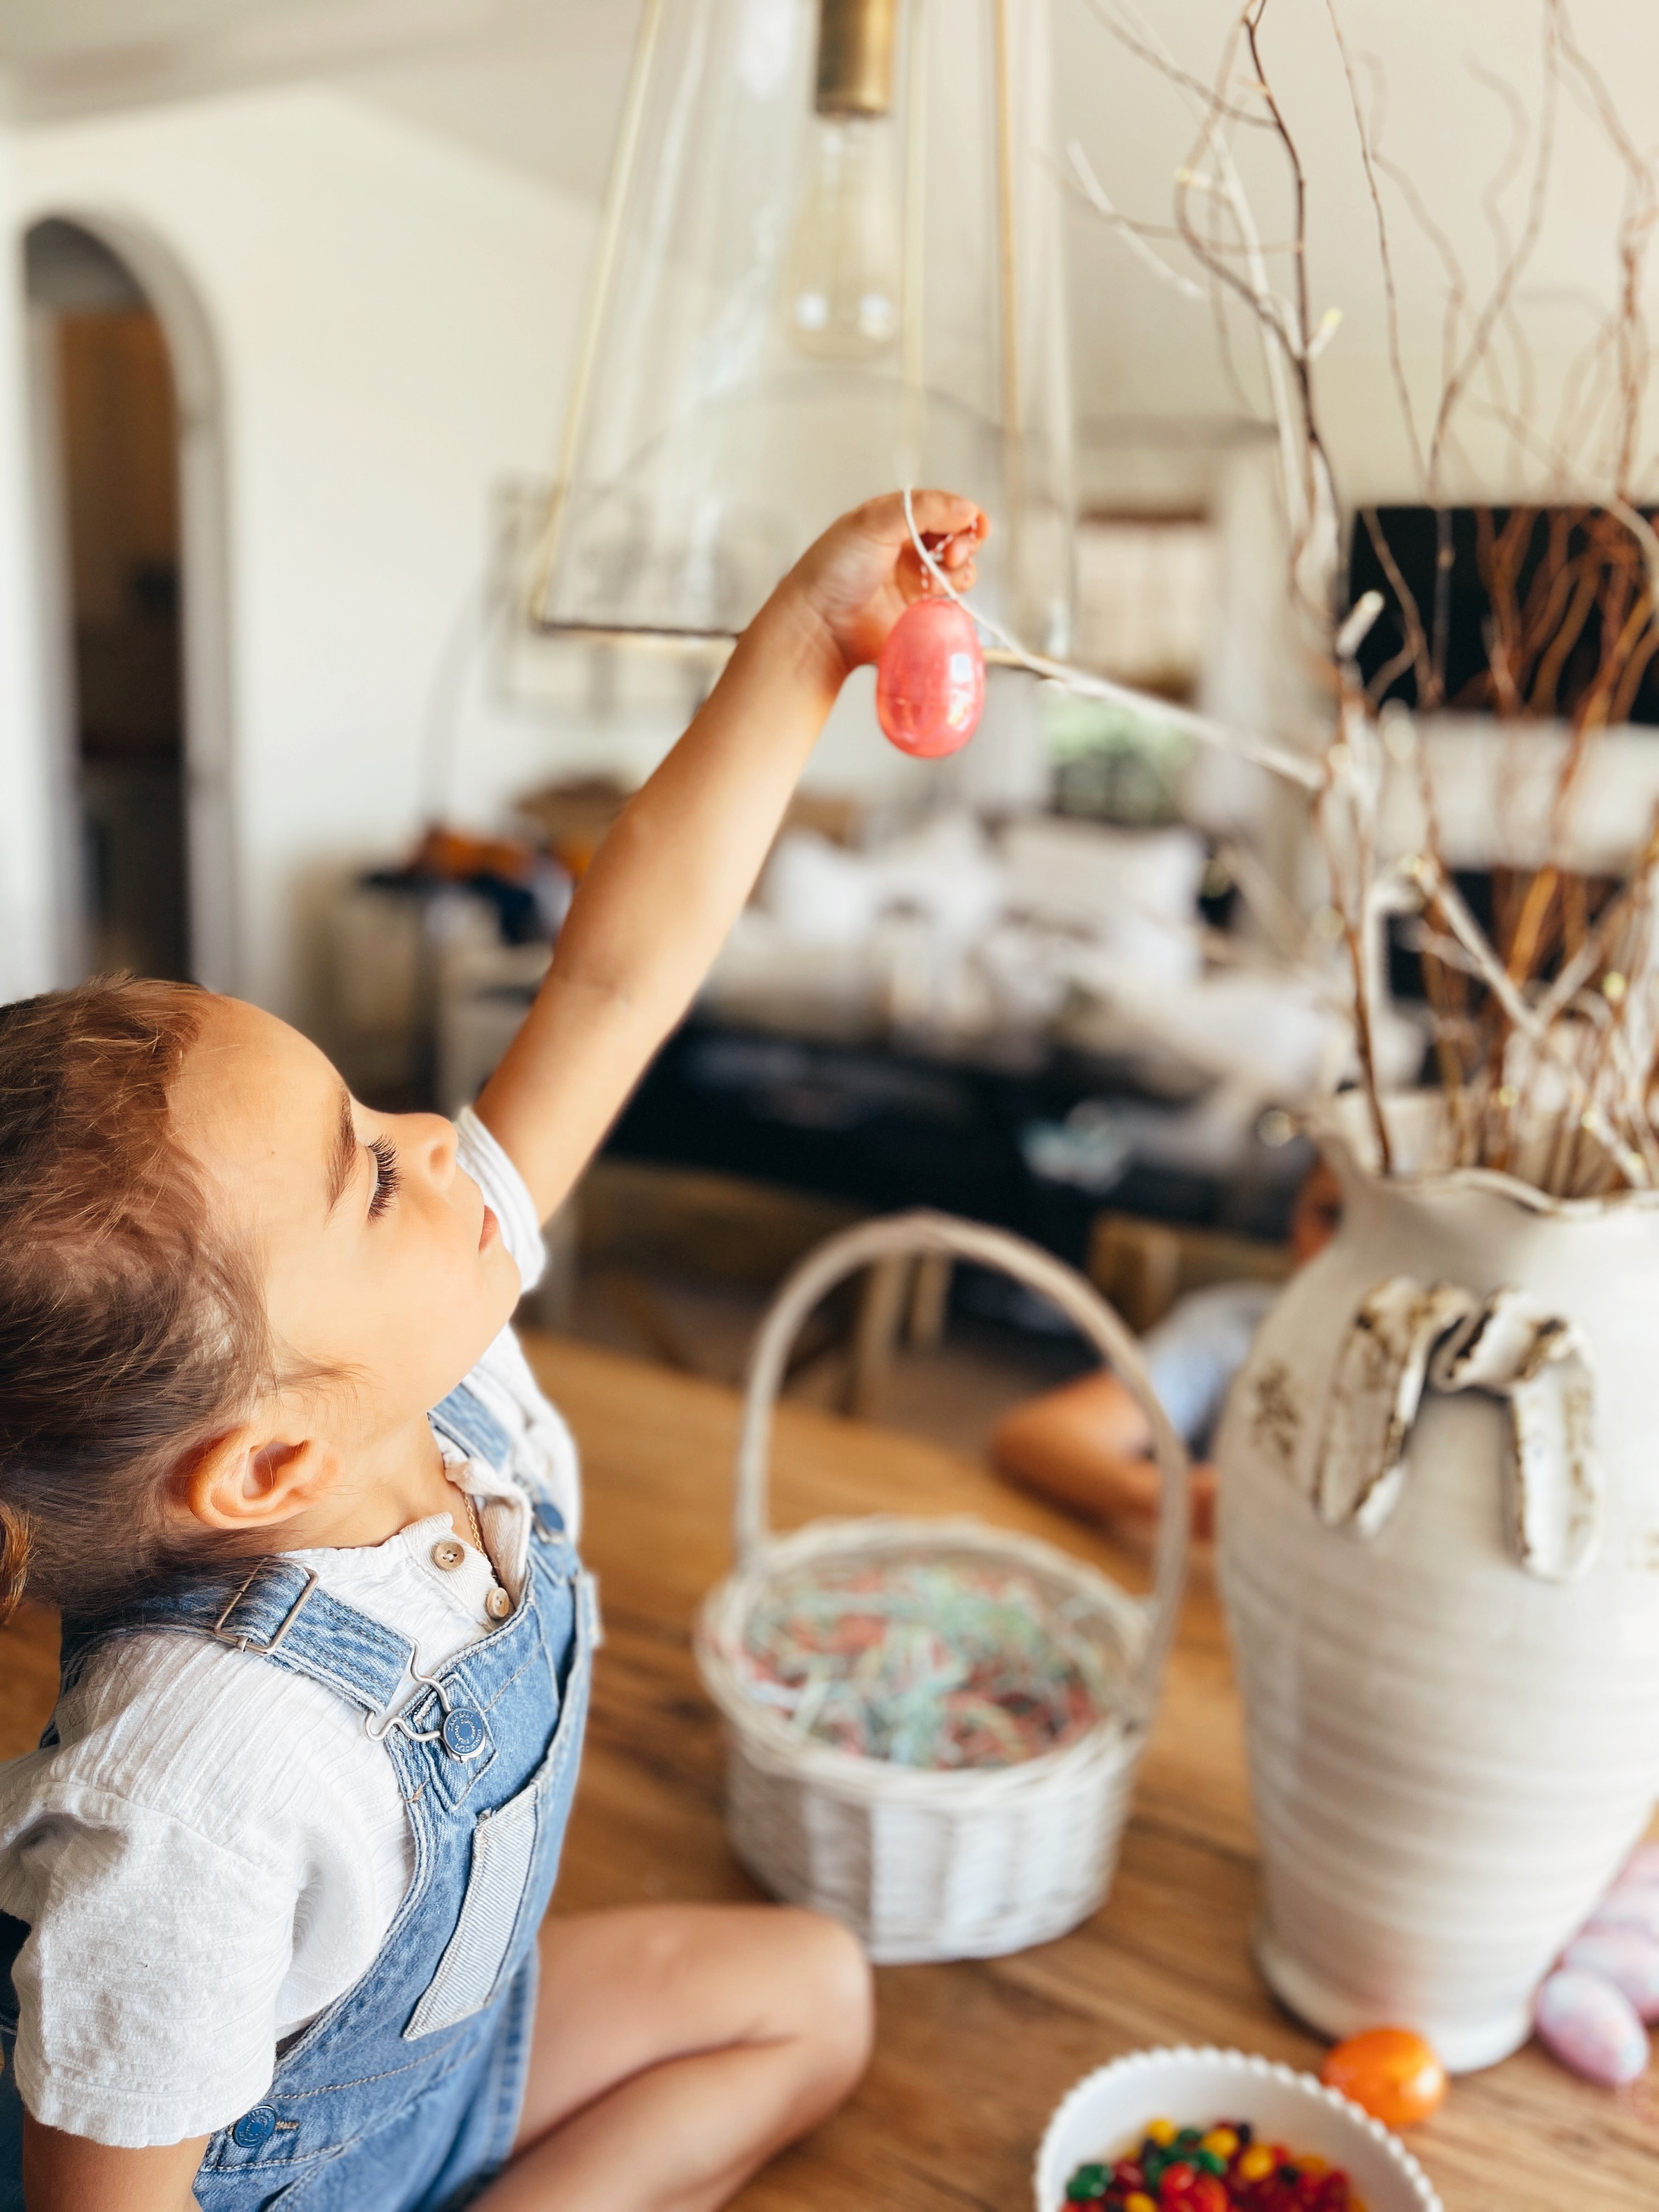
[(380, 1256)]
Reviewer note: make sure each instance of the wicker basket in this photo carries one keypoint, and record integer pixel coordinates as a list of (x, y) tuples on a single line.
[(938, 1865)]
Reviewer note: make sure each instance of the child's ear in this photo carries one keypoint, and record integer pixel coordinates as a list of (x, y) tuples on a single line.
[(249, 1478)]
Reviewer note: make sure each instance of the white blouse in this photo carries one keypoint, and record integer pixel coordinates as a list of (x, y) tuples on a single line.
[(215, 1849)]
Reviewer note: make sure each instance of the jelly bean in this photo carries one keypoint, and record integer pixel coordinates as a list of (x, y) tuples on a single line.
[(1624, 1957), (1219, 2168), (930, 679), (1389, 2073), (1590, 2026)]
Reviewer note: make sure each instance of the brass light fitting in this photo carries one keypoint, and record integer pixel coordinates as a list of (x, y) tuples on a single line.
[(856, 40)]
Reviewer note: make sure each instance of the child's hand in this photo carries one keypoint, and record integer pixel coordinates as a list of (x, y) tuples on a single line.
[(856, 581), (670, 879)]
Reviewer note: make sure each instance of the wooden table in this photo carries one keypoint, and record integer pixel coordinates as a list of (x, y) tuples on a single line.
[(970, 2059)]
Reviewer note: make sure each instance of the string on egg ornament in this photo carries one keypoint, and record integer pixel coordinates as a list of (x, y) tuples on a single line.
[(930, 676), (914, 681)]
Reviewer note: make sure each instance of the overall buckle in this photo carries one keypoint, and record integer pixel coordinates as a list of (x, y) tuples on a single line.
[(224, 1635)]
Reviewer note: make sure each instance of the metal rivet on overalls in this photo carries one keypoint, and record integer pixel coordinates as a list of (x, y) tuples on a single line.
[(462, 1732), (498, 1604), (255, 2128), (448, 1552)]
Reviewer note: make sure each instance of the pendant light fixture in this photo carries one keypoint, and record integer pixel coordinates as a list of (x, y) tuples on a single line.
[(829, 264)]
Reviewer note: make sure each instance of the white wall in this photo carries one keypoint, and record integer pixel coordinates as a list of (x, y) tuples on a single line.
[(28, 955), (394, 315)]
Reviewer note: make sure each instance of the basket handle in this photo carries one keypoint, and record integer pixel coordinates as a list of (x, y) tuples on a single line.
[(909, 1235)]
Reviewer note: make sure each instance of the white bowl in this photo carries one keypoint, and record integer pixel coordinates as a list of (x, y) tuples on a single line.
[(1109, 2107)]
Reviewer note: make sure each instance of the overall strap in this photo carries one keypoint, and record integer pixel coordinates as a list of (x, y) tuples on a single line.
[(279, 1612), (464, 1418)]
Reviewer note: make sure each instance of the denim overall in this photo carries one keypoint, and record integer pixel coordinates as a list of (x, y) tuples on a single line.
[(403, 2096)]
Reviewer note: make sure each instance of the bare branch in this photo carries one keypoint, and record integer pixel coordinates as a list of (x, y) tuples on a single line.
[(1391, 293), (1635, 236), (1509, 269), (1141, 46), (1131, 233)]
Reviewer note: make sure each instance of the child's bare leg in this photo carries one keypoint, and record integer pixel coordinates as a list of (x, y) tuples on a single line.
[(676, 2048)]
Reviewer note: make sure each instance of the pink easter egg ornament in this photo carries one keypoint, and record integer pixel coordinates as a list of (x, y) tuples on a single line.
[(1641, 1869), (930, 680), (1624, 1957), (1590, 2026), (1628, 1905)]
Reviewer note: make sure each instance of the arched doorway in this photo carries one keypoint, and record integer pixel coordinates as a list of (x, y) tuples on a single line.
[(129, 500)]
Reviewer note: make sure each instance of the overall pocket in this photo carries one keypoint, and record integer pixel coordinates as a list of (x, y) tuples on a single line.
[(515, 1850)]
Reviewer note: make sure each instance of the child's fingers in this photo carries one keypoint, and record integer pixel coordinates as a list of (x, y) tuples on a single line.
[(952, 554), (955, 557), (938, 514)]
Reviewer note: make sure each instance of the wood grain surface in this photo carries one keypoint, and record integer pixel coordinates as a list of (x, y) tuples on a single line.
[(970, 2058)]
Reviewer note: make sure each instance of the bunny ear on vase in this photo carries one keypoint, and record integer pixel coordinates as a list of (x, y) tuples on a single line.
[(1374, 1397), (1406, 1337), (1553, 1485)]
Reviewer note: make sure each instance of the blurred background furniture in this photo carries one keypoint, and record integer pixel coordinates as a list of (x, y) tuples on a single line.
[(948, 1011)]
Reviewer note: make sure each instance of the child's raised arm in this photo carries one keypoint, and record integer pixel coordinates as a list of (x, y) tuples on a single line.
[(670, 877)]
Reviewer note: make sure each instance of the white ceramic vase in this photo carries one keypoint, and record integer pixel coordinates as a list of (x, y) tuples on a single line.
[(1439, 1554)]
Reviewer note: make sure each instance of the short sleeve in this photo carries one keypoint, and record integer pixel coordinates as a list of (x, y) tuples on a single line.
[(1194, 1353), (507, 1194), (148, 1985)]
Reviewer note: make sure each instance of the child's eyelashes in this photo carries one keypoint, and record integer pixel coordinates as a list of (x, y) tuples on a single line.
[(386, 1175)]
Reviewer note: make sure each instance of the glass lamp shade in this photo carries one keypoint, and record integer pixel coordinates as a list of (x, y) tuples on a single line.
[(830, 265)]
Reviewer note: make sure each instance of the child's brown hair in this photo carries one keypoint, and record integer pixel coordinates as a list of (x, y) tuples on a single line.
[(128, 1336)]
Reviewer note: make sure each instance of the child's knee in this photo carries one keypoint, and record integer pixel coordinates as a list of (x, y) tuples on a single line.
[(835, 1993)]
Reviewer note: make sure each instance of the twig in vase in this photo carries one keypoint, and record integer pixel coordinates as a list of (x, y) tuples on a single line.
[(1570, 565), (1434, 883)]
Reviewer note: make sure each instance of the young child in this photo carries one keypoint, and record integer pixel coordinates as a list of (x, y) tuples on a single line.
[(271, 1889), (1087, 1445)]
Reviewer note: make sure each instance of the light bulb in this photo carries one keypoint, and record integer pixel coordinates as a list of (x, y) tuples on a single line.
[(845, 269)]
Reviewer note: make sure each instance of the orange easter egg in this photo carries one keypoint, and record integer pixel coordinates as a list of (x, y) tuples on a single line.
[(1394, 2075)]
